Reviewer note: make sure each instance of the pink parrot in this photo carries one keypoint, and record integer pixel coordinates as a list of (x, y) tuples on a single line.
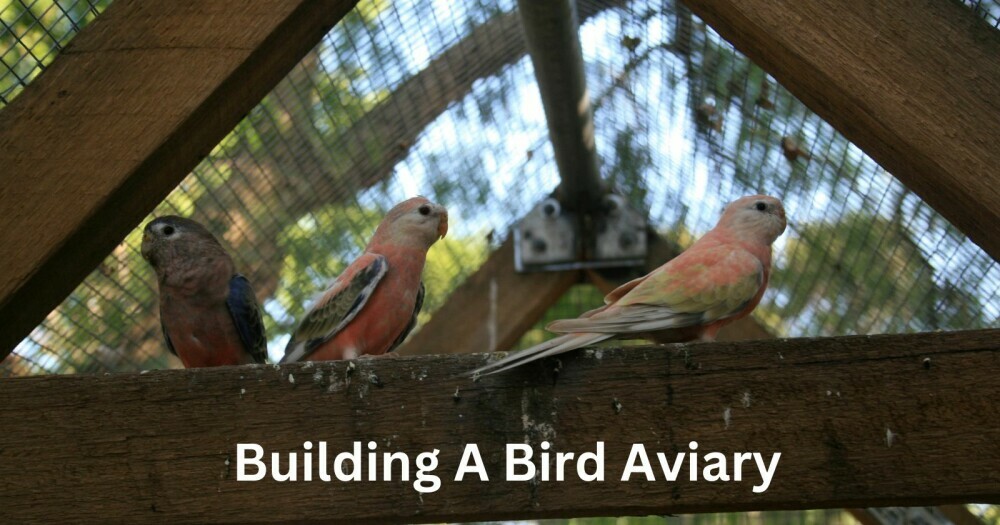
[(209, 314), (716, 281), (372, 306)]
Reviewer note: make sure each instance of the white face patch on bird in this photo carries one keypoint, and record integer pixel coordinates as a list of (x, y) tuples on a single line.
[(156, 232), (170, 230), (431, 210), (415, 219), (761, 215)]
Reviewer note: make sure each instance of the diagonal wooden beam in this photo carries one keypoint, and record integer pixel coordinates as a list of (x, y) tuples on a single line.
[(551, 29), (492, 309), (960, 515), (126, 111), (916, 92), (859, 421)]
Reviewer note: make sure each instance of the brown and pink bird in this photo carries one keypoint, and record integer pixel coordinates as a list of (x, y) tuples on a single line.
[(372, 306), (719, 279), (208, 312)]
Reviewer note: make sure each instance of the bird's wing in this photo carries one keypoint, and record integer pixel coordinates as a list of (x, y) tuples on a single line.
[(337, 307), (413, 320), (707, 286), (245, 311), (166, 337), (620, 292)]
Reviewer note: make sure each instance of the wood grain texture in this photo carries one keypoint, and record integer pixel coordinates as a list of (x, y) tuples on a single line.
[(153, 448), (126, 111), (492, 309), (912, 82)]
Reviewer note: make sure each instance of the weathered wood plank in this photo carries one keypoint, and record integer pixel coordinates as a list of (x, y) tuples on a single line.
[(860, 421), (127, 110), (492, 309), (912, 82)]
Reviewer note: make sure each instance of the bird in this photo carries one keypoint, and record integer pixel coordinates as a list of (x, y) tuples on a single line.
[(372, 306), (208, 312), (719, 279)]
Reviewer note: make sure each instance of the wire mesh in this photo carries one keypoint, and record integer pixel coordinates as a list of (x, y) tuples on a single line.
[(988, 10), (33, 33), (439, 98)]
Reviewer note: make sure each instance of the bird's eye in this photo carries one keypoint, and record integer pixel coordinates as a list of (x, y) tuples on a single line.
[(168, 230), (424, 210), (761, 206)]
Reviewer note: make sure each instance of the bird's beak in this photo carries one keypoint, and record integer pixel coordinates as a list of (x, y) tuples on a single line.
[(146, 247), (443, 224)]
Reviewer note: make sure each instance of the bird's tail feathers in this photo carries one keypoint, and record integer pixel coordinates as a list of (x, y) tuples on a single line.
[(558, 345), (293, 354)]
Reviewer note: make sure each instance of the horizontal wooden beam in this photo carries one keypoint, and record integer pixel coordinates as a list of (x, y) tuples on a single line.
[(859, 421), (912, 82), (128, 109)]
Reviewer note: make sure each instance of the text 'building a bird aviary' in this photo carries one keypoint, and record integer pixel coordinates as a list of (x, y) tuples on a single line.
[(576, 146)]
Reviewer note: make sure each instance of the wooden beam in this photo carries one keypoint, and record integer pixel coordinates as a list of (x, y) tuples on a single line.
[(492, 309), (126, 111), (860, 421), (960, 515), (660, 251), (551, 29), (864, 517), (912, 82), (942, 515)]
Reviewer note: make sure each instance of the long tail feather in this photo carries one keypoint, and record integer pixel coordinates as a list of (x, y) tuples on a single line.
[(560, 344)]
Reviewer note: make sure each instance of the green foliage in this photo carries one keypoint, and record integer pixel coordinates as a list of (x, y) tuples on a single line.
[(632, 164), (989, 514), (449, 262), (866, 271), (578, 299)]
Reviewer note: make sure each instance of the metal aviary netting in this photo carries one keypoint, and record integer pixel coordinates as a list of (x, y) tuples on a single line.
[(988, 10), (439, 98), (31, 35)]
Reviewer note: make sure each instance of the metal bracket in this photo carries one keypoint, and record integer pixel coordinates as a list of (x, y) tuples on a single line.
[(546, 239), (550, 238)]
